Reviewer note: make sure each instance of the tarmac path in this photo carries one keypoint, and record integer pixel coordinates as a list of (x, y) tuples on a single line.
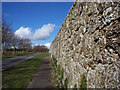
[(43, 76)]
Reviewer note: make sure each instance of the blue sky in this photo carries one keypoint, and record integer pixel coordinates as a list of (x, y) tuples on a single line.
[(38, 21)]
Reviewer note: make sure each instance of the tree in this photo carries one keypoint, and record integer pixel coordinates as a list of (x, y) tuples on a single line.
[(21, 44), (6, 35), (39, 48), (15, 40), (25, 44)]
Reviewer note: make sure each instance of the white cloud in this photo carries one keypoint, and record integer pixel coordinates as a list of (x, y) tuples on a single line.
[(47, 45), (39, 34), (34, 43), (24, 32), (43, 32)]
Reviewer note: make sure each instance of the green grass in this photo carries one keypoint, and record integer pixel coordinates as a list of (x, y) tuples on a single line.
[(13, 55), (20, 75)]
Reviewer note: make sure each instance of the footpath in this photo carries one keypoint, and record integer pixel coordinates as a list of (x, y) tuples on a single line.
[(43, 76)]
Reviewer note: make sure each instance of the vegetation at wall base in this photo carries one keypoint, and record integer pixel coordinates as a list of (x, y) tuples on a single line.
[(58, 70), (83, 83), (20, 75), (75, 87), (59, 75), (66, 83), (55, 62)]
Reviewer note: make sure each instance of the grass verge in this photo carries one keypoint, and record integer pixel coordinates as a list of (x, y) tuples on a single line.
[(19, 76), (13, 55)]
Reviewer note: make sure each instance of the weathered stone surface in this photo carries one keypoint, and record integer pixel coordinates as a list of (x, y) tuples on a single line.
[(88, 43)]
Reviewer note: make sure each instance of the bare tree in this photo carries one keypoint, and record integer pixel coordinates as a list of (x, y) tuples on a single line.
[(44, 48), (39, 48), (15, 40), (21, 44), (25, 44), (6, 35)]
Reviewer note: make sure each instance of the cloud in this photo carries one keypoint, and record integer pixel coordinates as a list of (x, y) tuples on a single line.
[(24, 32), (39, 34), (34, 43), (43, 32), (47, 45)]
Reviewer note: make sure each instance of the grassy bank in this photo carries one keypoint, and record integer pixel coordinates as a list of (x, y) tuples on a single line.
[(20, 75), (13, 55)]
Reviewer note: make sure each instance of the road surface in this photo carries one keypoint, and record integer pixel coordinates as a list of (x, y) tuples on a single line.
[(9, 62)]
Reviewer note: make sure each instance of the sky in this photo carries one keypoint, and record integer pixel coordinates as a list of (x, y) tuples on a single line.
[(37, 0), (37, 21)]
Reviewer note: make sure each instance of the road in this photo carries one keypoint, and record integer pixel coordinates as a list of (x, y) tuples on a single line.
[(9, 62)]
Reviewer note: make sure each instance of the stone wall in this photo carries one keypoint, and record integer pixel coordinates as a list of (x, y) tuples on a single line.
[(88, 43)]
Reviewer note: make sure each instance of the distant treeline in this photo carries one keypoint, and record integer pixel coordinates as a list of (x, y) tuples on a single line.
[(15, 49), (35, 49)]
